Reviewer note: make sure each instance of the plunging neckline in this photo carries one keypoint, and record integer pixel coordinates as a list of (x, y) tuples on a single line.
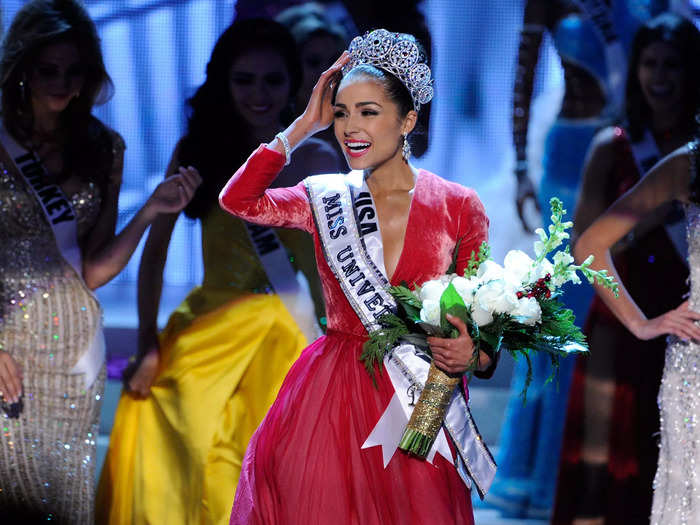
[(419, 176)]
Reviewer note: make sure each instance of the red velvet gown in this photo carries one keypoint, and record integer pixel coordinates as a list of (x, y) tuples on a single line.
[(304, 464)]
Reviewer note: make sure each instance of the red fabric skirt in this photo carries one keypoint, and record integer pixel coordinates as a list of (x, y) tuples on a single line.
[(305, 466)]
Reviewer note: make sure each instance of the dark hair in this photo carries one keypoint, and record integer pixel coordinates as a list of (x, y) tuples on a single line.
[(218, 138), (88, 143), (684, 37)]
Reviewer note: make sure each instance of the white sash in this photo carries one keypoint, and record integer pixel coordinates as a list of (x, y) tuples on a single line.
[(57, 207), (60, 215), (351, 242), (290, 286), (646, 154), (360, 278)]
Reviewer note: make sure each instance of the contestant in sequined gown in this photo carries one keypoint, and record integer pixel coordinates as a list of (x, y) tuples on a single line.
[(676, 485), (49, 318)]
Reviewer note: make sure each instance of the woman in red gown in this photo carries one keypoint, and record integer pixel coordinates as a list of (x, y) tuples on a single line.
[(305, 464)]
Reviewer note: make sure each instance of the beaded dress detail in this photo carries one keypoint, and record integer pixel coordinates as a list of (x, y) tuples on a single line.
[(48, 319), (677, 485)]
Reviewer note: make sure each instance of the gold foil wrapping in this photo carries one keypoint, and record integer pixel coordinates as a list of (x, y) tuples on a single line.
[(431, 408)]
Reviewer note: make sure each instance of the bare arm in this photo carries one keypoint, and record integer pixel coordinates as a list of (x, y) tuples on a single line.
[(150, 280), (668, 180), (106, 254), (528, 51)]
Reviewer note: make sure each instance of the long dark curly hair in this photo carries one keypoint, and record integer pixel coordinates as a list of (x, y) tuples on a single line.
[(218, 138), (87, 143), (684, 37)]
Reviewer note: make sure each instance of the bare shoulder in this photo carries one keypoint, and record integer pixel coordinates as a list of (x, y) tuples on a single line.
[(670, 179)]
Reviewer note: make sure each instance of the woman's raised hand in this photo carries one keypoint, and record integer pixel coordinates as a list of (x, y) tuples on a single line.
[(318, 114), (679, 322), (173, 194)]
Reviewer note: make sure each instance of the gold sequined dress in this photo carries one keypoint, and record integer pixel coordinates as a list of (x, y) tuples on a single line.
[(48, 319)]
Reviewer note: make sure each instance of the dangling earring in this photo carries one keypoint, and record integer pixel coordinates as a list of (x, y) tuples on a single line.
[(22, 90), (406, 148)]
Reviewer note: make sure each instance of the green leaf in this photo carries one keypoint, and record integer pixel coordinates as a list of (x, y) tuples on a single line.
[(405, 296), (451, 303), (382, 341)]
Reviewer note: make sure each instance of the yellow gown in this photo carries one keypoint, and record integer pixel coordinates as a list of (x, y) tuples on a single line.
[(175, 457)]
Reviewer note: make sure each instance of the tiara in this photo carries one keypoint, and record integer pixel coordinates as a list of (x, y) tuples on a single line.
[(398, 54)]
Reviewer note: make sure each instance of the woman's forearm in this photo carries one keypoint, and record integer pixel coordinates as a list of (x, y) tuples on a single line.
[(150, 280), (104, 264), (622, 306), (528, 52)]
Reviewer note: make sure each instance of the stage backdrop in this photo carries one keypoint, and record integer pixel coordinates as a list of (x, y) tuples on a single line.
[(156, 52)]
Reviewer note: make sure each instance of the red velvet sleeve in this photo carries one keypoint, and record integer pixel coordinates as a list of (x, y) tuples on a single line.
[(473, 228), (247, 194)]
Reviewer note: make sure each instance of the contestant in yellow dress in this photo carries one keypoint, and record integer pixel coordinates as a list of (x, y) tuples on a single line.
[(201, 389)]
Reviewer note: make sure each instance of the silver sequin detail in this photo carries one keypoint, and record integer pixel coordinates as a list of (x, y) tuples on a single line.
[(677, 485)]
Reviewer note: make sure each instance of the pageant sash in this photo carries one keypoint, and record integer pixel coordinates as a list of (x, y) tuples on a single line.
[(646, 153), (360, 278), (56, 206), (61, 217), (345, 217), (290, 286)]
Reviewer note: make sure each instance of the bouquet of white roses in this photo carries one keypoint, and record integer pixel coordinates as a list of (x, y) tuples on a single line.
[(514, 306)]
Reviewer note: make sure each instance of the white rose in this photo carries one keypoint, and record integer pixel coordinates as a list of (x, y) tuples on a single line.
[(480, 316), (527, 311), (446, 279), (489, 271), (517, 265), (496, 297), (432, 291), (430, 313), (465, 288)]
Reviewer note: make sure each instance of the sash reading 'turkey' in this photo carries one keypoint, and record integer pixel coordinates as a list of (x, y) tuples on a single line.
[(57, 207)]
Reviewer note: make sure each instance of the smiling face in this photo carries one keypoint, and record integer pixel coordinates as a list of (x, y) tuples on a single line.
[(660, 74), (259, 86), (367, 123), (56, 77)]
